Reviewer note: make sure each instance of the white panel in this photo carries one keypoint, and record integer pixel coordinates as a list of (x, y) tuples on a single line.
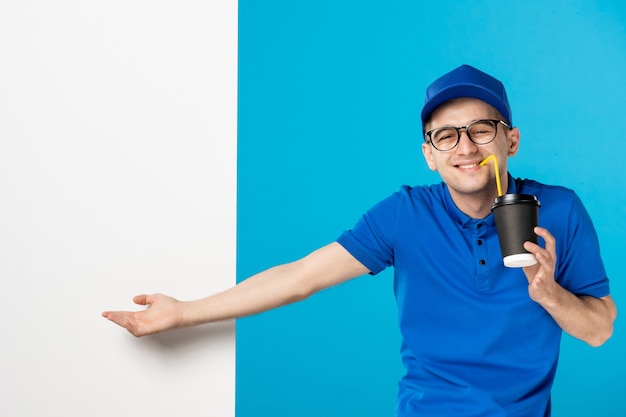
[(117, 176)]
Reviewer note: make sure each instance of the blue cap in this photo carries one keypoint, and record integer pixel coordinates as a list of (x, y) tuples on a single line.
[(466, 81)]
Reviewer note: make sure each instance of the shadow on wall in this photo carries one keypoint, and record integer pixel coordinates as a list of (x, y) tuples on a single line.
[(183, 341)]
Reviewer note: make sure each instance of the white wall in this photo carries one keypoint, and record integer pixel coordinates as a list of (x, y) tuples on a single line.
[(117, 176)]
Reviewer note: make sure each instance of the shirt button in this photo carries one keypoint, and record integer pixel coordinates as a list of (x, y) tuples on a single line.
[(482, 262), (479, 242)]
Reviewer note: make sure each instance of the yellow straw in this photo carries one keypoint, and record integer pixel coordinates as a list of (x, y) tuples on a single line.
[(495, 164)]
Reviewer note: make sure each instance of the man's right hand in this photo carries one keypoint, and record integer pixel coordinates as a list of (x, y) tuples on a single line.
[(163, 313)]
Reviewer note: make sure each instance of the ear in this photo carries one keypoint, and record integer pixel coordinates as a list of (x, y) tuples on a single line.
[(427, 151), (513, 138)]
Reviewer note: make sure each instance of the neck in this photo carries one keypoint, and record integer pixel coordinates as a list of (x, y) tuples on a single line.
[(474, 206)]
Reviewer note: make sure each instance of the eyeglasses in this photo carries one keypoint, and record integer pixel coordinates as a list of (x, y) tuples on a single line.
[(480, 132)]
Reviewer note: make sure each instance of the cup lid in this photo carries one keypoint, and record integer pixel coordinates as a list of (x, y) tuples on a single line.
[(506, 199)]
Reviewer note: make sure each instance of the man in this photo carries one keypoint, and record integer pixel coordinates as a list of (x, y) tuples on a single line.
[(478, 339)]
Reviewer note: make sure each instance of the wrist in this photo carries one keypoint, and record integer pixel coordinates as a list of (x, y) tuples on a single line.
[(192, 313)]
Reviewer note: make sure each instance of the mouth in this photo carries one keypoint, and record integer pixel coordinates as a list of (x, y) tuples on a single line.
[(469, 166)]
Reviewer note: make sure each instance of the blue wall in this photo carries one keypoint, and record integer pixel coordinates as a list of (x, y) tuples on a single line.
[(329, 100)]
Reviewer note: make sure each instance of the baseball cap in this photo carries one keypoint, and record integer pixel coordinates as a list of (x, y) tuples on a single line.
[(466, 81)]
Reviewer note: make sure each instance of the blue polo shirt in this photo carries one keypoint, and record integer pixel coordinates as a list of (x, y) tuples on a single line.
[(473, 342)]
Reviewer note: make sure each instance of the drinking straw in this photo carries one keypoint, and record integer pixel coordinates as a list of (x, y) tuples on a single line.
[(495, 164)]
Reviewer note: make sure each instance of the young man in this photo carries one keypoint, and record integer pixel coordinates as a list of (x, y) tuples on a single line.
[(478, 339)]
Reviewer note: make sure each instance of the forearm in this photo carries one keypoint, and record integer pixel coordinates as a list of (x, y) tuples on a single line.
[(269, 289), (584, 317), (275, 287)]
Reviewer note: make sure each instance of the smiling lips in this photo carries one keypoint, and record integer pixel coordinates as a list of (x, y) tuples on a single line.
[(468, 166)]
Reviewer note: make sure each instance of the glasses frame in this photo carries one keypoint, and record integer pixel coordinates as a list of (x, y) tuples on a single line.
[(496, 122)]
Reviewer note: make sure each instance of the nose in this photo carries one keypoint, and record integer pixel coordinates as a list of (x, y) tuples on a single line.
[(465, 146)]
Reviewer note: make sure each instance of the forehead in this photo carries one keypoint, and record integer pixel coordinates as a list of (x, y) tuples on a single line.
[(459, 112)]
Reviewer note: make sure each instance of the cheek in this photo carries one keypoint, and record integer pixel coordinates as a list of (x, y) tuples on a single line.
[(503, 148)]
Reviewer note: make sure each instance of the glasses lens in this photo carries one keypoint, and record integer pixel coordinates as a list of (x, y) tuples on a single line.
[(482, 131), (444, 138)]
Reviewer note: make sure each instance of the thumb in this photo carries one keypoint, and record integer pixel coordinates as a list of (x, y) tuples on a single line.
[(530, 272), (142, 299)]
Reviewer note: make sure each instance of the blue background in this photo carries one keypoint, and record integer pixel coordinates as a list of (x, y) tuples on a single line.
[(329, 99)]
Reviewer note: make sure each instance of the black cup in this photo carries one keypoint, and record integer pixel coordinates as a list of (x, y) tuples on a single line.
[(516, 216)]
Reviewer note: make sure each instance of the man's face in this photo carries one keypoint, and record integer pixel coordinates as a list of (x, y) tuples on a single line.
[(459, 167)]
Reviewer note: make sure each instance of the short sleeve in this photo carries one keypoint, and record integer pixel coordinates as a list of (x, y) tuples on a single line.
[(370, 241), (580, 268)]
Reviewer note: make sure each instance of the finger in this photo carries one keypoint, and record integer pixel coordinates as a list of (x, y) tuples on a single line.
[(548, 238), (548, 255), (544, 261), (550, 248), (121, 318), (127, 320), (530, 271), (534, 248), (142, 299)]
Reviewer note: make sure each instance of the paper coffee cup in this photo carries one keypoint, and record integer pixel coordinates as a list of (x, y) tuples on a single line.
[(516, 216)]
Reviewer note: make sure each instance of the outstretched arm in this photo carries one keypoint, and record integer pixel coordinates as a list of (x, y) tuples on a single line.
[(584, 317), (274, 287)]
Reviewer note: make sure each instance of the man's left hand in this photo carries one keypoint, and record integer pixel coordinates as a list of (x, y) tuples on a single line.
[(542, 287)]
